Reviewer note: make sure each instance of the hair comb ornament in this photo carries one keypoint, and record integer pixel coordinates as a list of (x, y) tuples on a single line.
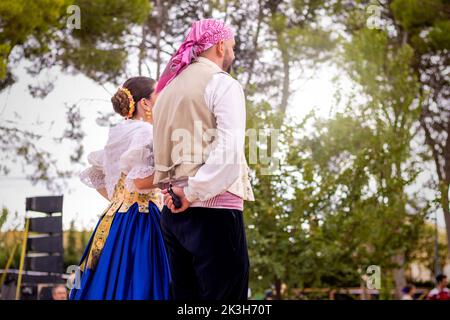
[(131, 100)]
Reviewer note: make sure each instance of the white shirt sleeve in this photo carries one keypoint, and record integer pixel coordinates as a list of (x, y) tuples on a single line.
[(225, 98)]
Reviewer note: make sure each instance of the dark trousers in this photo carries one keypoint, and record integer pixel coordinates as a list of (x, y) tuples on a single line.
[(208, 255)]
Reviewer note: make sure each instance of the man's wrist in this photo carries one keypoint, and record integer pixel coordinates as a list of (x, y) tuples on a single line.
[(189, 196)]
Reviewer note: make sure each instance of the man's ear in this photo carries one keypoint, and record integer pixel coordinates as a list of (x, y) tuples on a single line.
[(221, 48)]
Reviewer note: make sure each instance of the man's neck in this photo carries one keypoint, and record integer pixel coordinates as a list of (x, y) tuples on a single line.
[(210, 59)]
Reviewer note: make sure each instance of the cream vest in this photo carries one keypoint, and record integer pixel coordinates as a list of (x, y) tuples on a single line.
[(181, 115)]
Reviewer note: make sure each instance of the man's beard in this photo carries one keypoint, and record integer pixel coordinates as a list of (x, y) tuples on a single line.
[(227, 65)]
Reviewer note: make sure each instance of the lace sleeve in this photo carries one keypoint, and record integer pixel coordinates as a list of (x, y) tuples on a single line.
[(137, 164), (94, 176)]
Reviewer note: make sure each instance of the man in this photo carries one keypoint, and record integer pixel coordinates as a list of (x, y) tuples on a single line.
[(59, 292), (441, 292), (199, 135)]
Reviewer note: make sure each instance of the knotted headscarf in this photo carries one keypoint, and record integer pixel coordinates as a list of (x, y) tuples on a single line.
[(202, 36)]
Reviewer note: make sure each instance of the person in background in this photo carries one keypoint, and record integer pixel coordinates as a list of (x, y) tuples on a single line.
[(59, 292), (268, 294), (440, 292), (408, 292)]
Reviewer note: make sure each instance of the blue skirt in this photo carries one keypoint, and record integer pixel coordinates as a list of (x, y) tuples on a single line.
[(133, 264)]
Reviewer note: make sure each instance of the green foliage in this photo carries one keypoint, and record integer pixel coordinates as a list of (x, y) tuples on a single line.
[(417, 16), (37, 31), (28, 24), (412, 13), (100, 49), (9, 239), (4, 50), (108, 21), (75, 242), (339, 201), (424, 252), (71, 256)]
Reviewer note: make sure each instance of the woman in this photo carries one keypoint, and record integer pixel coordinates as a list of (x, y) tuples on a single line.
[(126, 258)]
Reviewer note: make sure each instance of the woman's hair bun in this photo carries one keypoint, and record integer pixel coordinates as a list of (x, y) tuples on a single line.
[(121, 103), (139, 88)]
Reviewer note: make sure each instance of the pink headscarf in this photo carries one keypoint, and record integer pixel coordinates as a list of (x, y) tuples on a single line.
[(202, 35)]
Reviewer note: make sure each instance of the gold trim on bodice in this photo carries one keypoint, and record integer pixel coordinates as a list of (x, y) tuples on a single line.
[(121, 201)]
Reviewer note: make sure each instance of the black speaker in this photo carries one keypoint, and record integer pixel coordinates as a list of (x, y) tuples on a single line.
[(46, 224), (44, 250), (49, 205), (45, 293), (28, 292), (48, 244), (49, 263)]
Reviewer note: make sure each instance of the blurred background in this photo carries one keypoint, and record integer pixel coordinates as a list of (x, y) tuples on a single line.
[(359, 91)]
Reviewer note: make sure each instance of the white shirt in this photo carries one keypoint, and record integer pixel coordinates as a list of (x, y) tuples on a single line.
[(436, 291), (225, 98)]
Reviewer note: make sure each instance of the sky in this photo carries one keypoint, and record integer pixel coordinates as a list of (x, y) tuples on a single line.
[(47, 117)]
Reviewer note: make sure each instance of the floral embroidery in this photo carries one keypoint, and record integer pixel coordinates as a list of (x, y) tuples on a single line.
[(122, 201)]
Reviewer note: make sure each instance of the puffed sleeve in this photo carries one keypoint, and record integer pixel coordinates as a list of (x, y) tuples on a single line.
[(138, 161), (94, 176)]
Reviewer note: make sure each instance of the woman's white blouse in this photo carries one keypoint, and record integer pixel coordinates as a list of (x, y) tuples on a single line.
[(129, 150)]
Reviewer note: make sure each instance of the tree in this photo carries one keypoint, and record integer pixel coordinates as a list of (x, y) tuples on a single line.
[(369, 153), (9, 238), (72, 253), (339, 202), (297, 41), (21, 32), (424, 26), (98, 50), (381, 64)]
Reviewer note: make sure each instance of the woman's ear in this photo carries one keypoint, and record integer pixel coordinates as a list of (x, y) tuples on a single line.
[(146, 103)]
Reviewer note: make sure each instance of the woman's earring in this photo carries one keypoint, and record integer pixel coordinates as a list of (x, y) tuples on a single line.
[(148, 113), (148, 110)]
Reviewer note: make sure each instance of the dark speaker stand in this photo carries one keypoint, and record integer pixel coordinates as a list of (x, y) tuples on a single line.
[(46, 248)]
